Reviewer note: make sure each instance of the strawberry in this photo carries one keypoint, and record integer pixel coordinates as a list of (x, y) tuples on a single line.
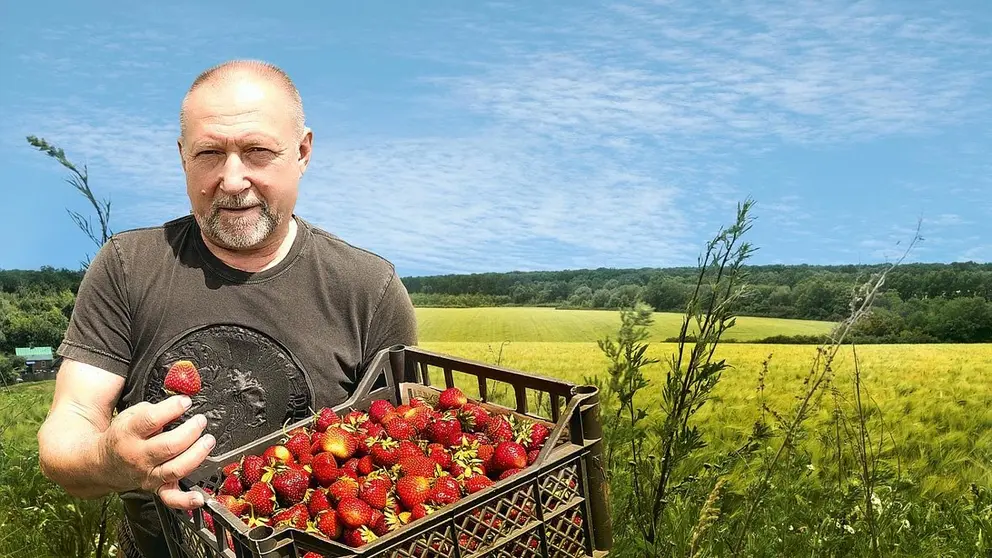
[(442, 429), (509, 455), (261, 499), (473, 418), (328, 524), (400, 429), (374, 492), (324, 469), (419, 466), (465, 469), (409, 448), (317, 501), (345, 487), (324, 418), (373, 430), (413, 490), (378, 523), (298, 444), (476, 483), (354, 420), (231, 468), (236, 506), (307, 555), (384, 452), (534, 437), (365, 466), (353, 512), (232, 486), (182, 377), (379, 408), (440, 455), (296, 516), (451, 398), (446, 490), (419, 402), (277, 454), (358, 537), (499, 429), (532, 456), (420, 510), (462, 439), (338, 442), (290, 485), (419, 417), (485, 453), (251, 470)]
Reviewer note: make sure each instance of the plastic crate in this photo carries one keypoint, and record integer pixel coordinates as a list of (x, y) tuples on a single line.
[(557, 507)]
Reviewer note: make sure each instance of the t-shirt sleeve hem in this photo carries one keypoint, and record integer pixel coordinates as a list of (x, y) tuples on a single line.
[(94, 357)]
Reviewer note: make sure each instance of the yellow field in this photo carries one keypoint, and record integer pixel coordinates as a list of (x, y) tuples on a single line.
[(548, 324), (936, 399)]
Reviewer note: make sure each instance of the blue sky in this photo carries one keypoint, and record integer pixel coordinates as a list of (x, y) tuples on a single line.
[(458, 137)]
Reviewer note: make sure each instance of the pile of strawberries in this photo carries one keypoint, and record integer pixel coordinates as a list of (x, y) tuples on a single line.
[(356, 478)]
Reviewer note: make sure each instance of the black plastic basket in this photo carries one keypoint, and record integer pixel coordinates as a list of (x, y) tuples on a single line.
[(557, 507)]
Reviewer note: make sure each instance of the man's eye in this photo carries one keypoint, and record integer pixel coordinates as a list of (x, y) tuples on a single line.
[(208, 152), (259, 150)]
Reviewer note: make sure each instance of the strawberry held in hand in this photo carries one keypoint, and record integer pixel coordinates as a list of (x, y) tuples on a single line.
[(182, 378)]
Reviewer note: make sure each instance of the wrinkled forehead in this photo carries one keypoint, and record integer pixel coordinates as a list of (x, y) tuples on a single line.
[(239, 107)]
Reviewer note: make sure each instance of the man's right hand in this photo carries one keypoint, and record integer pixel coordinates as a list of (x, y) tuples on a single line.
[(90, 452), (141, 455)]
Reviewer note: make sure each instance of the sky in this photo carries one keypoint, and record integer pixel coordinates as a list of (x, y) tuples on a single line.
[(465, 137)]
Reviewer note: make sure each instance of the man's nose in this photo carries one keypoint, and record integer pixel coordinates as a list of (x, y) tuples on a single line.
[(234, 178)]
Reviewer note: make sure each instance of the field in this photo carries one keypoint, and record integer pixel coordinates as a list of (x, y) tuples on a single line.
[(549, 324), (936, 402)]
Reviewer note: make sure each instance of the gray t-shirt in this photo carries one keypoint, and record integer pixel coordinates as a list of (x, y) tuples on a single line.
[(271, 346)]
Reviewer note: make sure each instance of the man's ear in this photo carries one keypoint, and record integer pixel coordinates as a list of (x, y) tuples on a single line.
[(306, 150), (182, 159)]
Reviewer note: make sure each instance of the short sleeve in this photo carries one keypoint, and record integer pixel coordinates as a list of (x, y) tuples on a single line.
[(393, 321), (100, 326)]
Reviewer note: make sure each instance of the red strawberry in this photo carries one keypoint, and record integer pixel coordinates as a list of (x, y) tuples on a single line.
[(374, 492), (354, 513), (440, 455), (358, 537), (462, 439), (345, 487), (446, 491), (290, 485), (328, 524), (409, 448), (384, 453), (442, 429), (365, 466), (232, 486), (324, 468), (419, 511), (451, 398), (318, 501), (532, 456), (419, 466), (231, 468), (465, 469), (413, 490), (476, 483), (277, 454), (251, 470), (298, 444), (307, 555), (261, 498), (419, 417), (534, 437), (378, 523), (373, 430), (338, 442), (499, 429), (509, 455), (237, 506), (473, 418), (182, 377), (400, 429), (324, 418), (379, 408), (296, 516), (354, 420)]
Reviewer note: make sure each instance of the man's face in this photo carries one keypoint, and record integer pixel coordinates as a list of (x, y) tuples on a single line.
[(243, 159)]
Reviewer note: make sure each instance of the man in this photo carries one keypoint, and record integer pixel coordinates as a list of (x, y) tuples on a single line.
[(279, 317)]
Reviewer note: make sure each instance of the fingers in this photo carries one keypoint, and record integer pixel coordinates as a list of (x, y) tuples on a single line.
[(184, 464), (147, 419), (174, 497), (167, 445)]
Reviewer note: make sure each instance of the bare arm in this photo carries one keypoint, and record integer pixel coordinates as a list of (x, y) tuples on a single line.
[(88, 451)]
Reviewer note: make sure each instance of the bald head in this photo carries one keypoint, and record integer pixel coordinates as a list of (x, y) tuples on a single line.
[(246, 71)]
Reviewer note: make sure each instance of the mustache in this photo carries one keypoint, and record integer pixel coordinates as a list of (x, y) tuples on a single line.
[(238, 202)]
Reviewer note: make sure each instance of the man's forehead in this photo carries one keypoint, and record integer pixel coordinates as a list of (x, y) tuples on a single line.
[(213, 137)]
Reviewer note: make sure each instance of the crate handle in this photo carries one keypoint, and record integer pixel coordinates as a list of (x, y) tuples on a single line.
[(579, 395)]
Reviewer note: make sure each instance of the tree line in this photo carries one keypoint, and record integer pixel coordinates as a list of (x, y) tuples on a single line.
[(921, 303)]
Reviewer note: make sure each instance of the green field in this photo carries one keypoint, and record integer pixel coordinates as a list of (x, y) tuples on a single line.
[(549, 324)]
